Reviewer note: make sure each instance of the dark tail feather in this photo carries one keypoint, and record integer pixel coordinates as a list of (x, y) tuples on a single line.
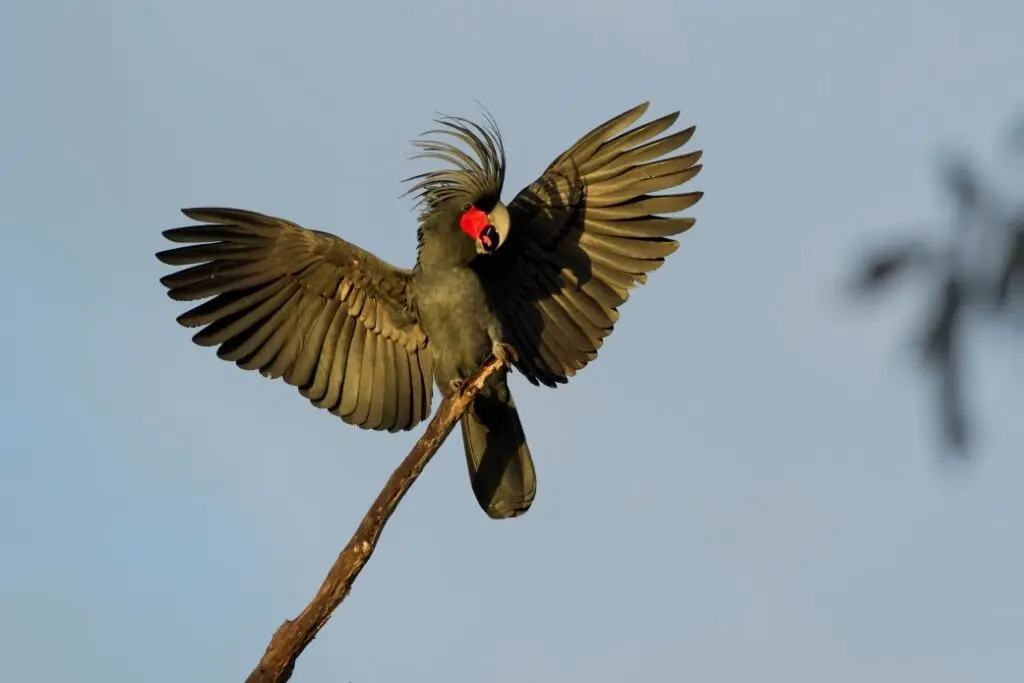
[(500, 465)]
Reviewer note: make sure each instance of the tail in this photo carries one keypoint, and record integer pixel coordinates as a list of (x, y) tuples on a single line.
[(500, 465)]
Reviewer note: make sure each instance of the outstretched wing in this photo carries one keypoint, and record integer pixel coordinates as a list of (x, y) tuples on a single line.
[(328, 317), (584, 234)]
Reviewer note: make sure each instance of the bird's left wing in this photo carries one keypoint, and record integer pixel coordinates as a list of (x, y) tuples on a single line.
[(582, 235), (330, 318)]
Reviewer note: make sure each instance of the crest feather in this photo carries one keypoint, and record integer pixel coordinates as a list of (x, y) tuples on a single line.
[(475, 170)]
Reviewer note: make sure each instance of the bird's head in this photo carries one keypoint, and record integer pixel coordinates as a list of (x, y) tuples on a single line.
[(487, 229), (462, 216)]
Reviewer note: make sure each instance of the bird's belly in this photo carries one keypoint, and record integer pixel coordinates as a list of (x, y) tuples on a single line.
[(455, 314)]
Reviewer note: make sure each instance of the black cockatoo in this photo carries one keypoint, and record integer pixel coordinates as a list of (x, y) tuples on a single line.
[(536, 281)]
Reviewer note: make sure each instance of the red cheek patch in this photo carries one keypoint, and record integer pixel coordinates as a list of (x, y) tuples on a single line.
[(473, 222)]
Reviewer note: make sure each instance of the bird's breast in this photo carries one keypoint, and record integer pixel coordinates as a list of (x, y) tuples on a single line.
[(454, 312)]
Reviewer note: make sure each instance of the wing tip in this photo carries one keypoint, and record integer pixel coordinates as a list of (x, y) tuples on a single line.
[(224, 215), (631, 116), (671, 118), (194, 211), (165, 256)]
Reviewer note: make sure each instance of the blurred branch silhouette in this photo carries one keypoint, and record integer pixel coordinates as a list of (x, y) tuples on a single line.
[(292, 637), (976, 275)]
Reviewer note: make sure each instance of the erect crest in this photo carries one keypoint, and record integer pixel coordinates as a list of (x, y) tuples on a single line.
[(476, 175)]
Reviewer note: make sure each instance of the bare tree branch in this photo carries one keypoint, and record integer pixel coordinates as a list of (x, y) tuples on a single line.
[(293, 636)]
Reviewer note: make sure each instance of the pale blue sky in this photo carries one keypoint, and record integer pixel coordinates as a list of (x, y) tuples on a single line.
[(743, 487)]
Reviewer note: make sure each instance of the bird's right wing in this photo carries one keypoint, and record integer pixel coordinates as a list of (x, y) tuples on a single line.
[(328, 317)]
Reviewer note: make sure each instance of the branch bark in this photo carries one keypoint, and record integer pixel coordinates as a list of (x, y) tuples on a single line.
[(292, 637)]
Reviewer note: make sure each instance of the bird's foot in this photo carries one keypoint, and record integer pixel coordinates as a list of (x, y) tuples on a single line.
[(455, 386), (505, 352)]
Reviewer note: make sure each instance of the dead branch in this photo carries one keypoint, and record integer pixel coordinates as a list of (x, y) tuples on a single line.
[(293, 636)]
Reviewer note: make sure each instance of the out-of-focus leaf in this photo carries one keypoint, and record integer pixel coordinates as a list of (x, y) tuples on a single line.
[(940, 335), (961, 181), (941, 350), (1012, 273), (954, 413), (885, 264)]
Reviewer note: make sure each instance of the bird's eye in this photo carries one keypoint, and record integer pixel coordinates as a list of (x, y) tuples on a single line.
[(489, 239)]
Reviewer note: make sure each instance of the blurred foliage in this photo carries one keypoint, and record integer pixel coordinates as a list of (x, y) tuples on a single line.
[(976, 276)]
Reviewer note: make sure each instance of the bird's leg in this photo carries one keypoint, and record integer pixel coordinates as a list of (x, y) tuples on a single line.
[(505, 352), (502, 350)]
